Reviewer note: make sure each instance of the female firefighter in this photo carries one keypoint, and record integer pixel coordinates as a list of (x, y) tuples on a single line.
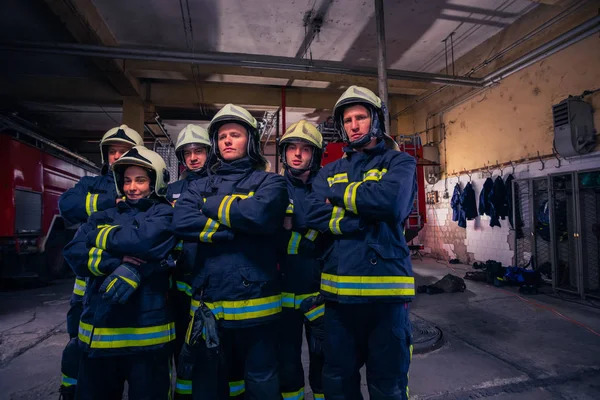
[(125, 329), (90, 194), (301, 150), (234, 214), (192, 149)]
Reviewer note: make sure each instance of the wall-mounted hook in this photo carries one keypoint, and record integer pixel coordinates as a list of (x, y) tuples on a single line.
[(541, 161), (557, 159), (469, 175), (499, 168), (512, 164), (489, 169)]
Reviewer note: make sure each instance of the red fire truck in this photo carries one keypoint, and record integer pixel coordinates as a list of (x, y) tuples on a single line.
[(34, 172)]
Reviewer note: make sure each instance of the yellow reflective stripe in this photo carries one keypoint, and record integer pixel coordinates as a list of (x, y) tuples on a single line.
[(374, 174), (318, 396), (68, 381), (311, 235), (337, 214), (210, 228), (294, 243), (183, 386), (184, 287), (115, 338), (297, 395), (102, 236), (237, 388), (85, 332), (223, 210), (315, 313), (290, 209), (291, 300), (133, 283), (110, 285), (91, 203), (337, 178), (242, 310), (94, 257), (368, 285), (350, 197), (79, 287), (178, 246)]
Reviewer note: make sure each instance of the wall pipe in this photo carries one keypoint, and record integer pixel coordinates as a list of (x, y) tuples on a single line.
[(559, 43), (231, 59), (277, 144), (382, 61)]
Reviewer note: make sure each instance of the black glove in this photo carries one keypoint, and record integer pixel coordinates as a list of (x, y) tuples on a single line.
[(313, 308), (121, 284), (203, 328)]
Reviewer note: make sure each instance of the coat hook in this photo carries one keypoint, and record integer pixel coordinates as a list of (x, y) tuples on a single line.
[(557, 159), (512, 164), (541, 161), (469, 175)]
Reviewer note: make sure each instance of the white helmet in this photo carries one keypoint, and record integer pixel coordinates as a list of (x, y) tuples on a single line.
[(191, 135), (123, 135), (147, 159)]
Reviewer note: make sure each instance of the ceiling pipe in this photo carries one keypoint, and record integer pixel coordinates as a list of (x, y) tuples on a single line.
[(231, 59)]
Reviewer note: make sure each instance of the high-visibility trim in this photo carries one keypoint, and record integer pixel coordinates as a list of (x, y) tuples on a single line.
[(350, 197), (110, 285), (223, 214), (337, 178), (374, 174), (94, 258), (290, 209), (178, 246), (297, 395), (315, 313), (210, 228), (131, 282), (102, 236), (68, 381), (91, 203), (242, 310), (294, 243), (337, 214), (79, 287), (184, 287), (311, 235), (368, 285), (318, 396), (183, 387), (291, 300), (118, 338), (237, 388)]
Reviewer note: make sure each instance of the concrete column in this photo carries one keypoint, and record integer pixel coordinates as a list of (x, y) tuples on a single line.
[(133, 114)]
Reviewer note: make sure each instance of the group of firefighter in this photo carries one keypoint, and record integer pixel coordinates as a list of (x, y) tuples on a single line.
[(221, 273)]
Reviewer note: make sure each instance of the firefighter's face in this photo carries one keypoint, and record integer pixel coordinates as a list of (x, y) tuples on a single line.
[(298, 155), (194, 156), (233, 141), (136, 183), (115, 151), (357, 122)]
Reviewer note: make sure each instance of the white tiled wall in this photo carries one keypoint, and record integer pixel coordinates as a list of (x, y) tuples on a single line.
[(483, 242)]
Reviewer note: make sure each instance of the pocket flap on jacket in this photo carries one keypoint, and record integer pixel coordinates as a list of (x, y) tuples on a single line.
[(389, 252)]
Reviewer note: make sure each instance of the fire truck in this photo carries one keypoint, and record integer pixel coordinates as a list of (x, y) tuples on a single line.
[(410, 144), (34, 173)]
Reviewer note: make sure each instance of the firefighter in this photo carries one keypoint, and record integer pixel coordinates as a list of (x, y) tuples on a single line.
[(89, 195), (234, 214), (363, 200), (126, 331), (301, 151), (192, 149)]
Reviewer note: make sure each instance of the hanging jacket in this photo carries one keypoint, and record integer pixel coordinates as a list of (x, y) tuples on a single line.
[(299, 265), (90, 194), (455, 203), (187, 250), (497, 200), (235, 215), (484, 197), (142, 324), (371, 194), (468, 204)]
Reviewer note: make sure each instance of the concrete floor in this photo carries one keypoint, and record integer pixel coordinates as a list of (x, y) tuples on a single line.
[(497, 345)]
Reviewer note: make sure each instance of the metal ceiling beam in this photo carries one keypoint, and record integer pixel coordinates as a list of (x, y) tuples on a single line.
[(84, 22), (231, 59)]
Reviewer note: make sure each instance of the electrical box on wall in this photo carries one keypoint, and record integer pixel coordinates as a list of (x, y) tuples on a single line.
[(431, 154), (574, 132)]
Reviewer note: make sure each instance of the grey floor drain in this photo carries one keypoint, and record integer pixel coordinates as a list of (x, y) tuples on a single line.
[(426, 337)]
